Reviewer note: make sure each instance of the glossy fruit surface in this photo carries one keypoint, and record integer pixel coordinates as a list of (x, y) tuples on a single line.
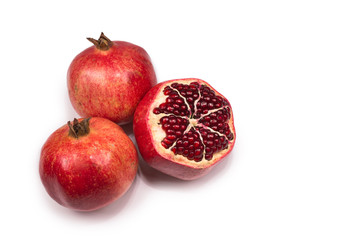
[(184, 127), (109, 79), (87, 165)]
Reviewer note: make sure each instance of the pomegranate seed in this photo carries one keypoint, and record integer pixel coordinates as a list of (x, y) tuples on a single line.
[(166, 126), (186, 152), (167, 141), (171, 137), (164, 120), (180, 150), (162, 106), (170, 131), (179, 101), (209, 143), (198, 152), (195, 84), (208, 150), (213, 121), (172, 120)]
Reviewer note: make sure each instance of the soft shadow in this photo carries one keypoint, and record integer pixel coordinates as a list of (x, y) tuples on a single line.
[(157, 179), (128, 129), (153, 176)]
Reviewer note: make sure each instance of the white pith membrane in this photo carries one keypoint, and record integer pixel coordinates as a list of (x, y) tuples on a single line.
[(194, 125)]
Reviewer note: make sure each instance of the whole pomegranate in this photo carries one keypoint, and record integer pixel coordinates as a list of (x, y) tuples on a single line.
[(88, 164), (109, 79), (184, 127)]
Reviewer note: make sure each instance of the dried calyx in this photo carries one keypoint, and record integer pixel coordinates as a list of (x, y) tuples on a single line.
[(103, 43), (78, 129)]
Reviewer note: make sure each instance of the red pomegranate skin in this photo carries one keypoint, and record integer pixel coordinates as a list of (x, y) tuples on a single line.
[(110, 83), (91, 171), (145, 140)]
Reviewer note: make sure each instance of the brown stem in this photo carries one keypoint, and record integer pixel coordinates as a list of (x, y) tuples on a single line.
[(103, 43), (79, 129)]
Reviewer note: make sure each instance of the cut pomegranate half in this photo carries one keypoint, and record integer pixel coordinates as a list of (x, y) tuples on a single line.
[(184, 127)]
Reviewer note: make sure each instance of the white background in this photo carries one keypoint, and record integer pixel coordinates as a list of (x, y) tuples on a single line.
[(290, 70)]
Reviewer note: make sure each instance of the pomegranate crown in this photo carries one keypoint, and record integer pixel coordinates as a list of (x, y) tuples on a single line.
[(78, 129), (103, 43)]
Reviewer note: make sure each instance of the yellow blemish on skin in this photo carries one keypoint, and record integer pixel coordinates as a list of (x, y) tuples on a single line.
[(76, 88)]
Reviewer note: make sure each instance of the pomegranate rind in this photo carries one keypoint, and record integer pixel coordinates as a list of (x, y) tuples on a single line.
[(90, 172), (111, 83), (149, 134)]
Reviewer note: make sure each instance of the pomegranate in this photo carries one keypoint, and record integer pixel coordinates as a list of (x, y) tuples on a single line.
[(109, 79), (184, 127), (88, 164)]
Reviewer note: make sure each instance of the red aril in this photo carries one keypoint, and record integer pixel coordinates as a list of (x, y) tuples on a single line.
[(88, 164), (109, 79), (184, 127)]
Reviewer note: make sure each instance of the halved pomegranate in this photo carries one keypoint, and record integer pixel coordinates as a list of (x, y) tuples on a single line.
[(184, 127)]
